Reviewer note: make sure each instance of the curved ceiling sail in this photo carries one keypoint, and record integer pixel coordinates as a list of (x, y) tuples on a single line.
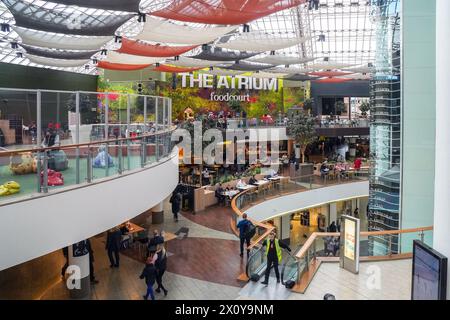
[(31, 16), (194, 63), (116, 5), (246, 66), (123, 58), (121, 67), (282, 60), (57, 54), (223, 12), (167, 32), (173, 69), (61, 63), (140, 48), (218, 54), (258, 41), (60, 41)]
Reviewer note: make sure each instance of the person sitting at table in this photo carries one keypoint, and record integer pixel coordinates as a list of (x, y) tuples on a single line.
[(156, 239), (240, 184), (271, 173), (324, 170), (219, 194), (253, 180), (206, 177), (357, 164)]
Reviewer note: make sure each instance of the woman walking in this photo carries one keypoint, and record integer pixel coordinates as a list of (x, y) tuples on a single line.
[(161, 265)]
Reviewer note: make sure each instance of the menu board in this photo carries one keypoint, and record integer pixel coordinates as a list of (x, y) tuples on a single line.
[(350, 239)]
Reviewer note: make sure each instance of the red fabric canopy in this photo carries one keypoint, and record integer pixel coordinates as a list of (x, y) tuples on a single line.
[(329, 73), (120, 66), (166, 68), (223, 11), (140, 48), (332, 80)]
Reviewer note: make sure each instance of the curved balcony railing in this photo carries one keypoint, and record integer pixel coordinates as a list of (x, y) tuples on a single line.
[(282, 187), (302, 266), (95, 135), (53, 169)]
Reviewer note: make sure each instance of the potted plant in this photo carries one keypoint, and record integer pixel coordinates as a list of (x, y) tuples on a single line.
[(302, 129), (364, 107)]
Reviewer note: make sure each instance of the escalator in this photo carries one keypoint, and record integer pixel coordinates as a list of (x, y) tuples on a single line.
[(289, 269), (257, 262)]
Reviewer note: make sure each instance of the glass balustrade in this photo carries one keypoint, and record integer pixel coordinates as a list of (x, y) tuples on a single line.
[(52, 140)]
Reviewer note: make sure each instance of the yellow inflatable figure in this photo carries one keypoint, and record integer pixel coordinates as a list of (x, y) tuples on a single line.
[(9, 188), (22, 164)]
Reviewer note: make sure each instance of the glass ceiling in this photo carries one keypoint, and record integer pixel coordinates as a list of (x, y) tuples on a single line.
[(340, 30)]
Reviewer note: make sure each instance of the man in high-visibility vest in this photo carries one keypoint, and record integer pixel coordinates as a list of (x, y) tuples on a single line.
[(274, 255)]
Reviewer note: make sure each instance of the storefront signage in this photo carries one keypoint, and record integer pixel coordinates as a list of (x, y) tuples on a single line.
[(349, 253), (204, 80)]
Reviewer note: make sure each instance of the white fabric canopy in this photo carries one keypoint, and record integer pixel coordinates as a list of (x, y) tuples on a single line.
[(168, 32), (281, 60), (62, 63), (257, 41), (263, 75), (361, 70), (194, 63), (123, 58), (330, 66), (222, 72), (357, 76), (290, 70), (60, 41)]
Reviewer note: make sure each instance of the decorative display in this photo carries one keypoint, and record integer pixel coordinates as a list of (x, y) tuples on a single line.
[(22, 163), (63, 63), (173, 69), (9, 188), (56, 54), (218, 54), (194, 63), (102, 159), (260, 41), (223, 11), (282, 60), (60, 41), (54, 178), (117, 5), (123, 58), (121, 66), (141, 48), (169, 32), (77, 23)]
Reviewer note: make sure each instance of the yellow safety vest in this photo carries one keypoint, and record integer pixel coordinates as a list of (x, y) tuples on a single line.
[(277, 248)]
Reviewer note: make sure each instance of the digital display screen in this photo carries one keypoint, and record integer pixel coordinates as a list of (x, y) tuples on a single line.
[(428, 281), (350, 239)]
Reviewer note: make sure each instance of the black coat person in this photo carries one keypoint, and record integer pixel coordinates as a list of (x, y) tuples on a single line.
[(161, 265), (175, 200), (113, 240)]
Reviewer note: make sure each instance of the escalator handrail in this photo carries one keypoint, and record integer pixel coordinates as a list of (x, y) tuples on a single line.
[(291, 256), (247, 266)]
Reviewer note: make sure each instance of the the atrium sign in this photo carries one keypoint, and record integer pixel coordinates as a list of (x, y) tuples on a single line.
[(204, 80)]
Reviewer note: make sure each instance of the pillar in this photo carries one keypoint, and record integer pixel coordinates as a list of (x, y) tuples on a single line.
[(442, 173), (333, 212), (158, 214), (78, 273), (285, 233)]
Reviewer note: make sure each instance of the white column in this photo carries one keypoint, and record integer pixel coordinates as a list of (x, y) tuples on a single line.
[(158, 213), (285, 227), (333, 213), (441, 241)]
